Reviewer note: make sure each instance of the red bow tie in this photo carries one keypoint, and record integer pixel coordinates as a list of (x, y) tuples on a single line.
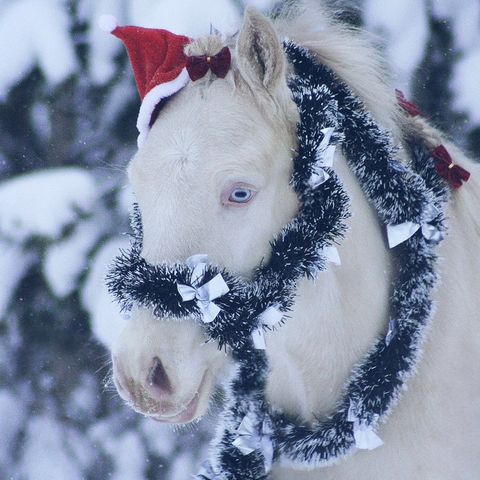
[(219, 64), (453, 173)]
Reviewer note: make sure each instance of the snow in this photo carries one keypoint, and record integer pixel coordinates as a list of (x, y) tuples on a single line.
[(161, 438), (44, 436), (126, 448), (105, 318), (466, 25), (44, 23), (130, 457), (12, 416), (83, 400), (191, 18), (465, 18), (43, 203), (66, 260), (16, 62), (465, 85), (13, 264), (51, 27), (181, 468), (81, 449), (103, 46), (40, 115), (107, 23), (114, 103), (404, 34)]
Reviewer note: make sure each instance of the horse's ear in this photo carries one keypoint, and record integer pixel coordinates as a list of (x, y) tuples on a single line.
[(260, 55)]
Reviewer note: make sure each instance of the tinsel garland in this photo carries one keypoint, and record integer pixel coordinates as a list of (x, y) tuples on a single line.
[(252, 436)]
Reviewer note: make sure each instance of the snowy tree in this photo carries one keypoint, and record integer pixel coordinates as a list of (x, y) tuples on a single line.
[(68, 106), (434, 47)]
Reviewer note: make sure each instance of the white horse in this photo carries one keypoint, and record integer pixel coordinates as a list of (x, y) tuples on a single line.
[(213, 177)]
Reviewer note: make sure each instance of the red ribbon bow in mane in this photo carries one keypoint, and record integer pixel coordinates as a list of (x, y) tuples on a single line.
[(453, 173), (409, 107), (219, 64)]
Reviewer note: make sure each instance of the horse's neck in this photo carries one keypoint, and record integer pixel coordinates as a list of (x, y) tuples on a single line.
[(335, 319)]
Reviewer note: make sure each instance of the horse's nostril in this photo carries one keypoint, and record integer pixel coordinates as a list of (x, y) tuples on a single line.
[(158, 377)]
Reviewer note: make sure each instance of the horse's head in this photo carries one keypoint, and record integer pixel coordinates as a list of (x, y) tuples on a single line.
[(212, 177)]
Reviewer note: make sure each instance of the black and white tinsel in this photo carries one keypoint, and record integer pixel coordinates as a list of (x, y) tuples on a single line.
[(252, 436)]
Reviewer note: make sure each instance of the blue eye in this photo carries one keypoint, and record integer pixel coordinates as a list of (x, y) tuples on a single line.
[(241, 195)]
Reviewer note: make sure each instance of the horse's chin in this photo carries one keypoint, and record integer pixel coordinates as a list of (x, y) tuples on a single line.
[(189, 414)]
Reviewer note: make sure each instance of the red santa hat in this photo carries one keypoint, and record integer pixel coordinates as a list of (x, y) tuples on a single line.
[(159, 65)]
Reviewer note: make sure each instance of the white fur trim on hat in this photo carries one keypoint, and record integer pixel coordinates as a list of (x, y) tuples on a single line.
[(151, 100)]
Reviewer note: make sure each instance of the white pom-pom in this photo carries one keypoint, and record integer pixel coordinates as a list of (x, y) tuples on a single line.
[(108, 23)]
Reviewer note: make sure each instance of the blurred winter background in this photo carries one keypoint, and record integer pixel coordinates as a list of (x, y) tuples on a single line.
[(68, 106)]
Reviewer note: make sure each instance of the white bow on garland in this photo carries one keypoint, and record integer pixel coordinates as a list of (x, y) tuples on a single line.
[(207, 472), (325, 155), (364, 434), (401, 232), (256, 434), (203, 294), (269, 318)]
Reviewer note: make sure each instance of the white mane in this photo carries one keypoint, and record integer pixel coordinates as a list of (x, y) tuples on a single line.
[(348, 51)]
